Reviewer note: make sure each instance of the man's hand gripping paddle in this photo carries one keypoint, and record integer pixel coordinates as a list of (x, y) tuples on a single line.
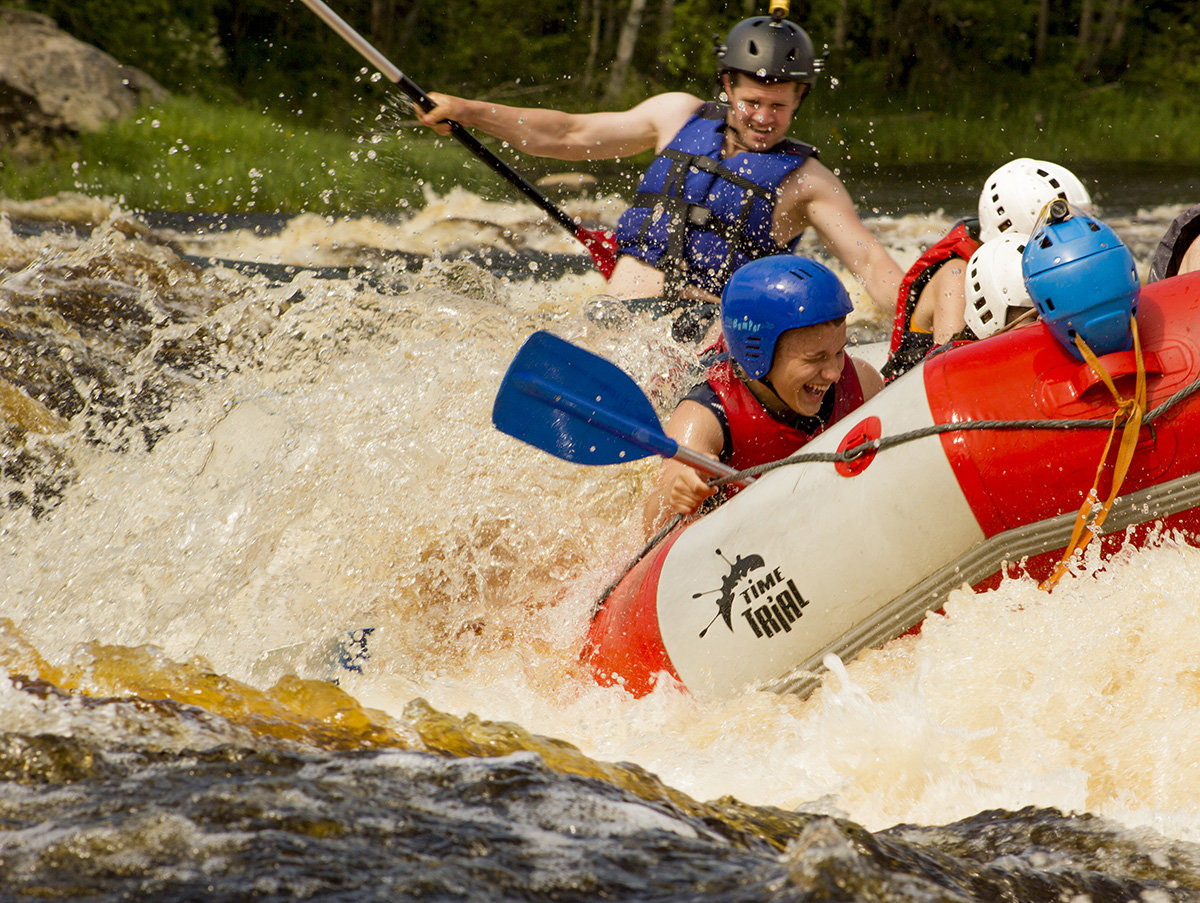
[(599, 243)]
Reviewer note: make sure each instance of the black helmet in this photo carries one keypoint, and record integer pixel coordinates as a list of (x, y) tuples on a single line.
[(770, 49)]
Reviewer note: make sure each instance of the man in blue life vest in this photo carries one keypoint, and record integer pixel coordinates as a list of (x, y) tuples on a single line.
[(783, 380), (727, 185), (931, 304)]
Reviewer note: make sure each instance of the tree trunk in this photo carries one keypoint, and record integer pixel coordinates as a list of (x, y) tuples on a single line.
[(625, 46), (666, 20), (1039, 40), (383, 14), (1107, 33), (1083, 47), (1117, 37), (406, 30), (589, 67)]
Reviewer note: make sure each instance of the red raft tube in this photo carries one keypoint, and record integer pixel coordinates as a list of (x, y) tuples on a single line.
[(820, 558)]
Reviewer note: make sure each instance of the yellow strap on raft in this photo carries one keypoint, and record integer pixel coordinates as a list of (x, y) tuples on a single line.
[(1131, 410)]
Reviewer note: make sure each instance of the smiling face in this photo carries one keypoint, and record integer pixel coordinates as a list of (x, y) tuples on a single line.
[(807, 362), (759, 115)]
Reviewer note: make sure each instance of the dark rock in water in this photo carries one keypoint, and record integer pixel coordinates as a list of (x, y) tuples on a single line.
[(52, 84)]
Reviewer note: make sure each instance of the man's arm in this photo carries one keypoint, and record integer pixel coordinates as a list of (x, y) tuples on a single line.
[(814, 196), (942, 303), (568, 136), (680, 488), (1191, 258)]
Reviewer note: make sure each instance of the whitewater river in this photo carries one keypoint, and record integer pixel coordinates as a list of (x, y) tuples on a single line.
[(282, 617)]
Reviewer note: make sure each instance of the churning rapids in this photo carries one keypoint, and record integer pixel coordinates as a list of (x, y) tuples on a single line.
[(282, 617)]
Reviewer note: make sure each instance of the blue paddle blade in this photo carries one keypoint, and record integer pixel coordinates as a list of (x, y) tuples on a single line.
[(577, 406)]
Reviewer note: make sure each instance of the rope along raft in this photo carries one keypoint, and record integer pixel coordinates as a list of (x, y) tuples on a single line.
[(1130, 415)]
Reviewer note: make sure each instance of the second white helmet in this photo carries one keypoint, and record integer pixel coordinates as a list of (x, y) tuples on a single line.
[(1015, 194), (995, 284)]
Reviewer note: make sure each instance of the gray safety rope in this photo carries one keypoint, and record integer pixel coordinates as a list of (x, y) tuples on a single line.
[(873, 445)]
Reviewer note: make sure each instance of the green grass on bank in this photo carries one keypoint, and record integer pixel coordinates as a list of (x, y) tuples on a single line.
[(191, 155), (1105, 125), (187, 154)]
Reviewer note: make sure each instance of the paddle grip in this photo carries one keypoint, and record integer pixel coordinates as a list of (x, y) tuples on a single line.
[(706, 464)]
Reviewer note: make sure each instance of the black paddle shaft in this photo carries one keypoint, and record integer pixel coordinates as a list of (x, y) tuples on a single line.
[(425, 102)]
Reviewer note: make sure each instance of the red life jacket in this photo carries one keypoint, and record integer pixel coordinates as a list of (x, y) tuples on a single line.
[(757, 437), (958, 242)]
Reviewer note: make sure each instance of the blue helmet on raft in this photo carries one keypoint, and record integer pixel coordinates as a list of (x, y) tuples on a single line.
[(1083, 280), (766, 297)]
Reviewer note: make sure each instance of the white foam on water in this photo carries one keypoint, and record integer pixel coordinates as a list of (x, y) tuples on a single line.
[(349, 477)]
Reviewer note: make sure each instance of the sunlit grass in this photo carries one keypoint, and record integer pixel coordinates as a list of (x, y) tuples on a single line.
[(1103, 125), (188, 154)]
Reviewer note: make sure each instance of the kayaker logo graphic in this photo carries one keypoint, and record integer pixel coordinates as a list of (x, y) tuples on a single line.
[(769, 602)]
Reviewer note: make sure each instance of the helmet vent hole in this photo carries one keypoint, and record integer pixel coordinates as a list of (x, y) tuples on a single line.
[(753, 48), (1049, 303), (1006, 225)]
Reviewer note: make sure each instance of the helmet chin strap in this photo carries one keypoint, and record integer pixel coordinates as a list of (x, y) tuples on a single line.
[(757, 387), (767, 382)]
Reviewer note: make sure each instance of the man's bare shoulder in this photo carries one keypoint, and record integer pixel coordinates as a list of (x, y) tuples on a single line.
[(811, 179), (672, 100), (667, 112)]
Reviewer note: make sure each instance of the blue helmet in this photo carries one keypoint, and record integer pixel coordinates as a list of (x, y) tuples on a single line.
[(1083, 280), (765, 298)]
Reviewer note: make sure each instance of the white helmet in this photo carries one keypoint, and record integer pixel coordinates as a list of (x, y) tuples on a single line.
[(1014, 195), (995, 284)]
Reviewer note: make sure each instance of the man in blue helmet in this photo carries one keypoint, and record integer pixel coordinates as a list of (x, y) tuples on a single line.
[(783, 381), (727, 184)]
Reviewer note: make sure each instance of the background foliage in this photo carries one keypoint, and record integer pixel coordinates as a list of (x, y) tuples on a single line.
[(272, 111), (914, 54)]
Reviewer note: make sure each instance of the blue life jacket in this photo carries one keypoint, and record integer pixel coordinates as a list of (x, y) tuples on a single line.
[(697, 217)]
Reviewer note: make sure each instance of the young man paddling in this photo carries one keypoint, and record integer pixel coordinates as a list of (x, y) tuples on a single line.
[(727, 185), (786, 377)]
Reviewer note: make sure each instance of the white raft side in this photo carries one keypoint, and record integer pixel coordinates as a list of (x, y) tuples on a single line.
[(1150, 504), (848, 544)]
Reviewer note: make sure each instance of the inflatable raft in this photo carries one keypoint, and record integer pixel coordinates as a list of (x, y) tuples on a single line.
[(817, 558)]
